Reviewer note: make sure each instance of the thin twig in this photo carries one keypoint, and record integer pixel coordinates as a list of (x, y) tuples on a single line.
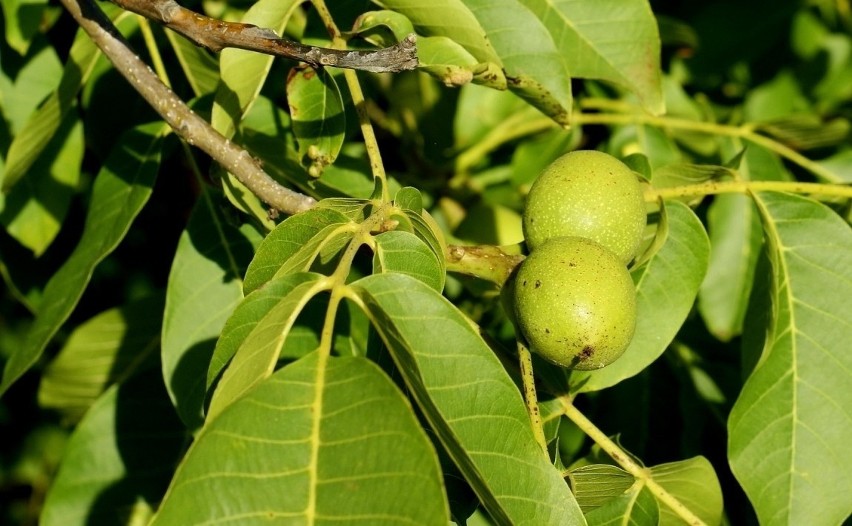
[(189, 126), (216, 35)]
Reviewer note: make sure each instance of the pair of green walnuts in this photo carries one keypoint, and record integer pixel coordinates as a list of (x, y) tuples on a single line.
[(573, 298)]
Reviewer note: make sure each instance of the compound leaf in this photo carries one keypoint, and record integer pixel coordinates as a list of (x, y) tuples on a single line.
[(400, 251), (471, 403), (295, 243), (256, 357), (320, 441), (789, 428)]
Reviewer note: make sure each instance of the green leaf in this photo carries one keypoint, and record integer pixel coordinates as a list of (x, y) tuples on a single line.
[(409, 198), (637, 507), (447, 60), (788, 430), (36, 208), (537, 71), (37, 78), (117, 464), (295, 243), (430, 19), (23, 20), (399, 251), (693, 482), (319, 120), (321, 441), (258, 353), (595, 484), (480, 110), (470, 402), (101, 352), (242, 74), (120, 191), (384, 28), (200, 68), (614, 41), (424, 226), (735, 239), (248, 315), (666, 287), (533, 155), (205, 285), (44, 122)]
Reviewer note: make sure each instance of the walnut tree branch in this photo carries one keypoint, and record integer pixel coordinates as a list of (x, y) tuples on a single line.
[(176, 113), (216, 35)]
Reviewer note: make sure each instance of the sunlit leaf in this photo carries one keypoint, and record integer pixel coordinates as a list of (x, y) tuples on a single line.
[(594, 484), (294, 244), (636, 507), (536, 70), (36, 208), (694, 484), (242, 74), (338, 443), (735, 238), (469, 400), (735, 242), (431, 20), (788, 430), (666, 287), (23, 18), (120, 191), (258, 353), (399, 251), (118, 462), (102, 351), (205, 285), (614, 41), (37, 79), (44, 122), (248, 314)]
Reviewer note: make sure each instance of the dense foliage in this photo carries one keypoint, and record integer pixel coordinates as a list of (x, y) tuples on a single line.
[(176, 352)]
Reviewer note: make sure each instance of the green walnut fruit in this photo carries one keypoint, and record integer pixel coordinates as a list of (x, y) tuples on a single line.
[(590, 194), (575, 303)]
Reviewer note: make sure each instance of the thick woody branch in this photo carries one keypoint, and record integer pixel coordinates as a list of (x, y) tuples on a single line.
[(176, 113), (216, 35)]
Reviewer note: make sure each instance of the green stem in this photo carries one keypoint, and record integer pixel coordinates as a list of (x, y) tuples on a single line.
[(515, 127), (482, 261), (629, 465), (730, 187), (744, 132), (153, 50), (530, 397), (358, 100)]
